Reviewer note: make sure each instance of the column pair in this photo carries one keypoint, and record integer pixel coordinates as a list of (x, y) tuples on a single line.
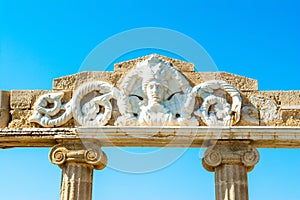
[(229, 160)]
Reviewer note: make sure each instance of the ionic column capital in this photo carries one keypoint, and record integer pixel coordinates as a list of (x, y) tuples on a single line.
[(231, 153), (77, 153)]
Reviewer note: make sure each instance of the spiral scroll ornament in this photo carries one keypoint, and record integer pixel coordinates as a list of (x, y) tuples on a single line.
[(74, 153), (230, 153), (47, 107), (96, 157), (89, 113), (58, 155), (250, 158), (215, 110), (211, 159)]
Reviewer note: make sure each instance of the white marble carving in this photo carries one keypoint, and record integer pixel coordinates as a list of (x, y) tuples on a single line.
[(215, 110), (88, 113), (47, 107), (85, 106), (152, 94)]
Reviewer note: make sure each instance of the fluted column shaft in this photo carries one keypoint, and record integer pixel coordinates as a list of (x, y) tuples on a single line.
[(77, 162), (231, 161), (231, 182), (77, 181)]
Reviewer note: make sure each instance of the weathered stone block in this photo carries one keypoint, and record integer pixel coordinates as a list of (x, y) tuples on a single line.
[(20, 119), (239, 82), (290, 98), (24, 99), (178, 64), (4, 108), (290, 117), (73, 81)]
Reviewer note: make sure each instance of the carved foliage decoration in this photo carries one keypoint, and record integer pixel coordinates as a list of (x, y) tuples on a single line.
[(152, 94), (88, 112), (47, 107), (84, 107), (215, 110)]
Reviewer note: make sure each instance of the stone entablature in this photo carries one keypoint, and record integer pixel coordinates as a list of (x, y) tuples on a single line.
[(181, 97)]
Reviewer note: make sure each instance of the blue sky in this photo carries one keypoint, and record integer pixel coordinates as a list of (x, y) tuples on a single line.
[(43, 40)]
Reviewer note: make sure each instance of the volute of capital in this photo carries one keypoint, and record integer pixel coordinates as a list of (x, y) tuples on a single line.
[(231, 154), (211, 159), (61, 155), (250, 158)]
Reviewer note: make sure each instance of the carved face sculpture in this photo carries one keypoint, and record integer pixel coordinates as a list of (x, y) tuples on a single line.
[(155, 92)]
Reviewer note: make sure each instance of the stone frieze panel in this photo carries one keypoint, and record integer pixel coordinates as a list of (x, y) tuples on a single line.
[(152, 91)]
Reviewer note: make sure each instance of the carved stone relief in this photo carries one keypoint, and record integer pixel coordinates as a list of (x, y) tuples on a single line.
[(261, 111), (47, 107), (215, 110), (268, 109), (154, 93), (84, 107)]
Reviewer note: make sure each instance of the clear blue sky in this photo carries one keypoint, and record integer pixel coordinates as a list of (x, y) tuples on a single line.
[(42, 40)]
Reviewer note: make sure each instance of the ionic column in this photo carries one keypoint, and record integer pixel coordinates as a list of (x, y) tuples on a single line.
[(77, 162), (231, 161)]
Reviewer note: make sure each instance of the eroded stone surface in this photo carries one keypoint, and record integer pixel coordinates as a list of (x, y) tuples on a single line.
[(178, 64), (239, 82), (24, 99), (4, 108), (71, 82)]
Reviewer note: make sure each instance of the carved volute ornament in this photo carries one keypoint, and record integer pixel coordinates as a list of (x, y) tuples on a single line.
[(92, 156), (154, 93), (215, 110), (231, 160), (230, 153), (77, 161)]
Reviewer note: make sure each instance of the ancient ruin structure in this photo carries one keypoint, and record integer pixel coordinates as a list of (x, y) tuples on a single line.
[(152, 101)]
